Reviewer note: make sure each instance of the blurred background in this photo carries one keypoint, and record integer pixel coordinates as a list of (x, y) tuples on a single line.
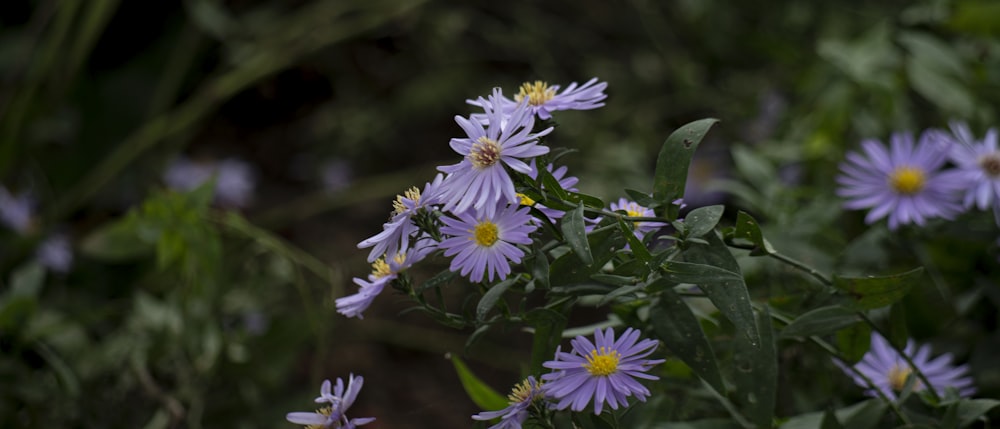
[(185, 182)]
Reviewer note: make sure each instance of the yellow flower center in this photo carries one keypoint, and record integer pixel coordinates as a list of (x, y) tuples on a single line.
[(602, 362), (380, 268), (633, 210), (538, 93), (898, 376), (907, 180), (484, 153), (324, 411), (990, 163), (412, 194), (525, 200), (486, 233), (520, 393)]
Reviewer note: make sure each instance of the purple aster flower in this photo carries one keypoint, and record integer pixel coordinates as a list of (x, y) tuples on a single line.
[(484, 243), (396, 234), (55, 253), (480, 181), (889, 371), (17, 211), (234, 179), (521, 398), (978, 166), (543, 99), (383, 272), (604, 371), (633, 209), (566, 182), (902, 182), (333, 415)]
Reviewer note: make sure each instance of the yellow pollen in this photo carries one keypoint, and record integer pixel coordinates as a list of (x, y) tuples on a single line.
[(538, 93), (525, 200), (520, 393), (412, 194), (603, 362), (898, 376), (990, 163), (380, 268), (907, 180), (486, 233), (484, 153), (324, 411)]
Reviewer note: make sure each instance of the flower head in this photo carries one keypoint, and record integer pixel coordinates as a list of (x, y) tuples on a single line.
[(396, 234), (602, 371), (978, 164), (543, 99), (55, 253), (234, 179), (902, 182), (483, 243), (16, 211), (633, 209), (884, 366), (521, 398), (333, 415), (481, 180), (383, 272)]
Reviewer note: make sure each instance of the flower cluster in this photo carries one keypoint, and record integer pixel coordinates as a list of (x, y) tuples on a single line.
[(333, 414), (909, 182), (473, 212)]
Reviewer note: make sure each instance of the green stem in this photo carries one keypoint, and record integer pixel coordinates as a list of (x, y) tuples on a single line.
[(816, 274)]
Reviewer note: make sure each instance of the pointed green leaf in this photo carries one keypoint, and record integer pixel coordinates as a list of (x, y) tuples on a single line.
[(970, 410), (567, 269), (821, 321), (635, 245), (540, 268), (480, 393), (875, 292), (730, 296), (642, 198), (676, 325), (576, 235), (748, 229), (756, 373), (686, 272), (854, 341), (867, 416), (703, 219), (587, 200), (673, 162), (490, 298)]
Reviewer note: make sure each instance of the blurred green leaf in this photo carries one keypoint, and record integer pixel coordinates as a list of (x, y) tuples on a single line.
[(756, 372), (821, 321), (686, 272), (729, 295), (870, 60), (703, 219), (976, 16), (854, 341), (679, 329), (875, 292), (490, 298), (116, 241), (672, 165), (830, 421), (576, 235), (968, 411), (850, 413), (748, 229), (480, 393)]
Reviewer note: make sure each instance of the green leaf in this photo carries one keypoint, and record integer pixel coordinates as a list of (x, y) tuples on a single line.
[(587, 200), (703, 219), (874, 292), (676, 325), (673, 162), (490, 298), (27, 280), (116, 241), (854, 342), (576, 235), (635, 245), (756, 373), (439, 279), (821, 321), (548, 325), (898, 334), (748, 229), (970, 410), (540, 268), (642, 198), (866, 415), (686, 272), (567, 269), (729, 295), (830, 421), (480, 393)]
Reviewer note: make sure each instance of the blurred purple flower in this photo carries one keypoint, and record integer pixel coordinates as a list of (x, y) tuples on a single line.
[(234, 179), (336, 175), (334, 415), (521, 398), (884, 366), (902, 182), (483, 243), (543, 99), (978, 164), (55, 253), (16, 212)]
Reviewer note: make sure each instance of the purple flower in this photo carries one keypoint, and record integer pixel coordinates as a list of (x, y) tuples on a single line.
[(16, 212), (333, 415), (480, 181), (901, 182), (633, 209), (889, 371), (336, 175), (396, 234), (383, 272), (55, 253), (978, 166), (521, 398), (602, 372), (484, 243), (234, 179), (543, 99)]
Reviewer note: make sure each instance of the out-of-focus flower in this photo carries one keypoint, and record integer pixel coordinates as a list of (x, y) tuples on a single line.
[(396, 234), (978, 164), (235, 180), (336, 175), (902, 182), (16, 211), (484, 243), (601, 372), (333, 416), (887, 369), (55, 253), (383, 272), (543, 99), (633, 209), (521, 398), (481, 180)]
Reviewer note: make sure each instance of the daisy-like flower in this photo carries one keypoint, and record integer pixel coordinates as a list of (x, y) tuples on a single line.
[(633, 209), (978, 165), (396, 234), (483, 243), (521, 397), (543, 99), (603, 371), (16, 211), (902, 182), (481, 180), (566, 182), (383, 272), (884, 366), (332, 416)]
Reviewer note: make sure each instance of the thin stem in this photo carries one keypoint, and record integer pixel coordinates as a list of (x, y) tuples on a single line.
[(822, 278)]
